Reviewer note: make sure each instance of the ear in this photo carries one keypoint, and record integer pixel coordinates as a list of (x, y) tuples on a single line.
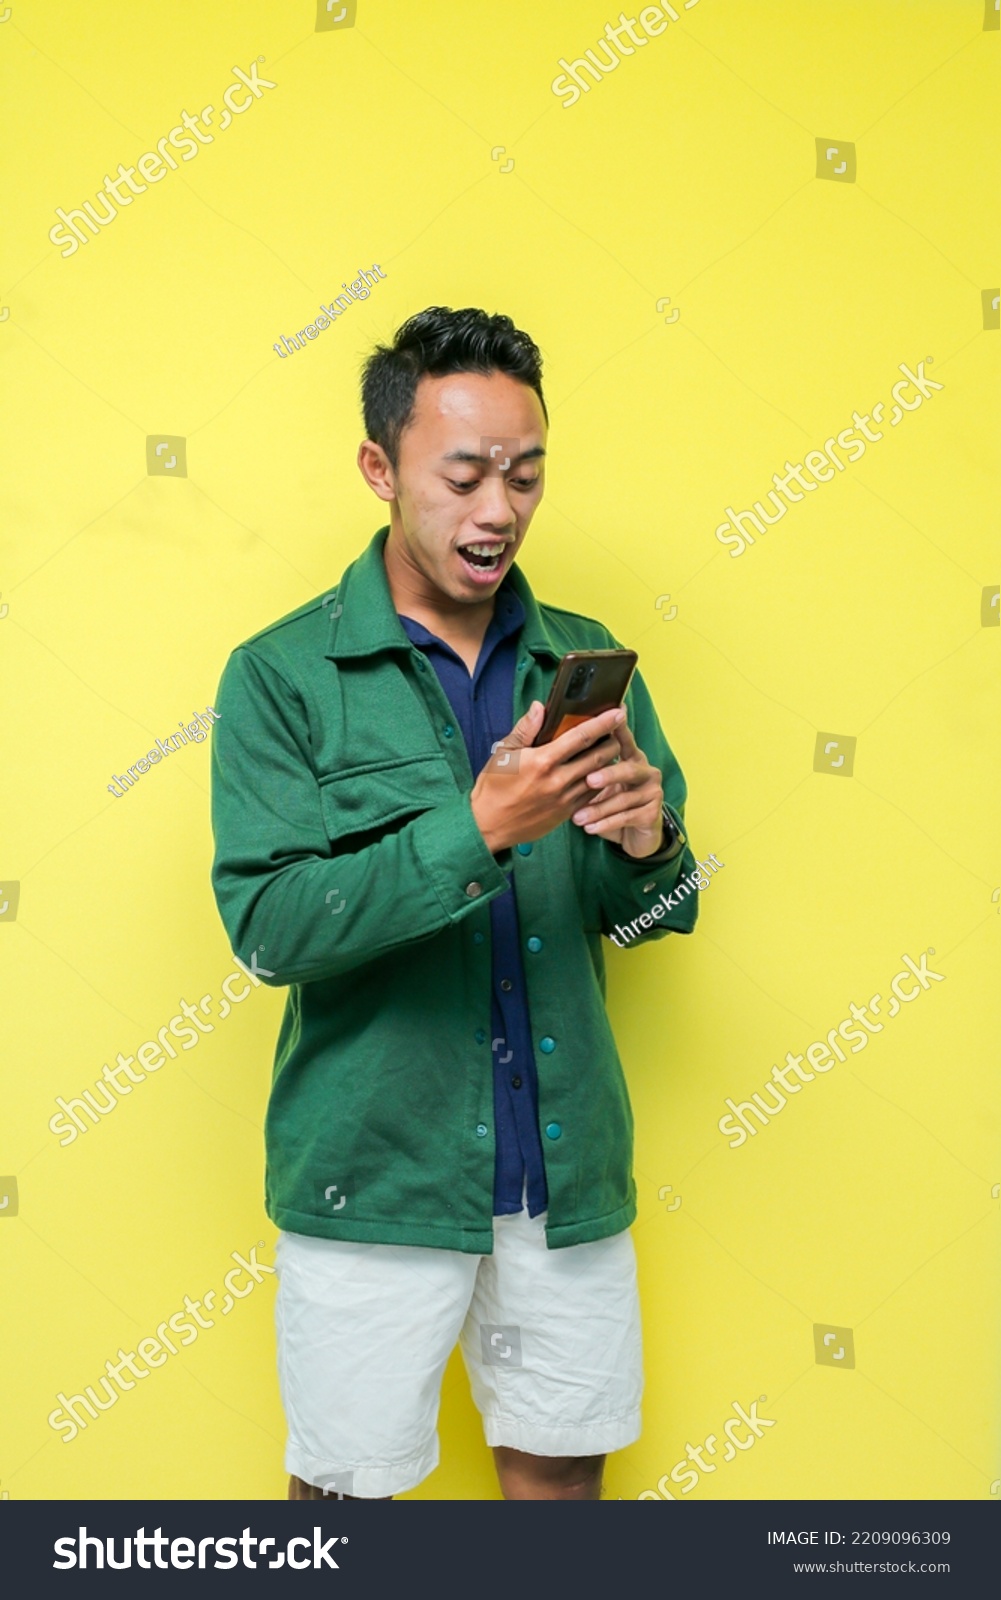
[(374, 466)]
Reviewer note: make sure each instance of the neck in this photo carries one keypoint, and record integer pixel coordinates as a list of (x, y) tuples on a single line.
[(414, 595)]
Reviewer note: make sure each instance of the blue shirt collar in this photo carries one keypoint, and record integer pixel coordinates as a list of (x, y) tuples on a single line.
[(508, 617)]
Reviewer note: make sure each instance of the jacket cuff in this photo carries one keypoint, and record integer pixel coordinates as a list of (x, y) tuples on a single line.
[(455, 857)]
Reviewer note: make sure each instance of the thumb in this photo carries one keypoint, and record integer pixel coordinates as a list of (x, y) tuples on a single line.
[(526, 727)]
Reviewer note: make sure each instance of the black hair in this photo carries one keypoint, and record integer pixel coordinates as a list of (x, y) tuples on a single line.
[(433, 343)]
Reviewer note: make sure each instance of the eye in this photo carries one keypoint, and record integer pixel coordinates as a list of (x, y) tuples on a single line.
[(524, 483), (466, 483)]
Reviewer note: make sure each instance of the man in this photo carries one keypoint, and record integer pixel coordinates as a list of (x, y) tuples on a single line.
[(449, 1134)]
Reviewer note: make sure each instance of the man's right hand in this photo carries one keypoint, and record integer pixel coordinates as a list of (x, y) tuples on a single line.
[(520, 799)]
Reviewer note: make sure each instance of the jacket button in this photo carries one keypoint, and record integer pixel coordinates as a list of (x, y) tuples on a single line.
[(480, 1036), (553, 1130), (448, 730), (547, 1046), (473, 889), (481, 1130), (534, 944), (523, 849), (506, 985), (516, 1083)]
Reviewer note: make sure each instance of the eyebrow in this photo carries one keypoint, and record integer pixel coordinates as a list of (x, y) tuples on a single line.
[(474, 455)]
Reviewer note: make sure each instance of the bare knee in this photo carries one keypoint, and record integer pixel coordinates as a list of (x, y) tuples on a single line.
[(529, 1477)]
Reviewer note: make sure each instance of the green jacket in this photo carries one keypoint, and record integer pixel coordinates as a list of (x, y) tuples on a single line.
[(349, 867)]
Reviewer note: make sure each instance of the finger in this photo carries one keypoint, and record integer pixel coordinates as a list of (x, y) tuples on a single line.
[(598, 798), (505, 753), (575, 803), (614, 805), (596, 756), (593, 806), (580, 798), (649, 798), (629, 746), (527, 726), (629, 772), (578, 793), (638, 819), (576, 740)]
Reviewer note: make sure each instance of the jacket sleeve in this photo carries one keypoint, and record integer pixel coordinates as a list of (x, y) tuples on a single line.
[(629, 887), (296, 911)]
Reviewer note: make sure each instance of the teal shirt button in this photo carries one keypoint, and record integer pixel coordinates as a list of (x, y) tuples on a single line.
[(523, 849), (477, 938), (420, 663), (480, 1036), (534, 944), (448, 730), (481, 1130), (553, 1130), (547, 1045)]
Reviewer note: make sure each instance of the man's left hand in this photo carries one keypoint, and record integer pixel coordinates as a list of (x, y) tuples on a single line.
[(627, 808)]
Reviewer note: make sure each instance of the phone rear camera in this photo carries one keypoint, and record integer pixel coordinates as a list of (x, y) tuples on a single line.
[(580, 681)]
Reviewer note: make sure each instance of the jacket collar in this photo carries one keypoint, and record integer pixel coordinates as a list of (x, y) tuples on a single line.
[(366, 620)]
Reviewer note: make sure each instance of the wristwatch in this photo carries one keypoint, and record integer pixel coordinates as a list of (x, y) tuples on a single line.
[(674, 839)]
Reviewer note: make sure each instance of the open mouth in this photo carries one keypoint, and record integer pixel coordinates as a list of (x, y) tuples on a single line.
[(482, 560)]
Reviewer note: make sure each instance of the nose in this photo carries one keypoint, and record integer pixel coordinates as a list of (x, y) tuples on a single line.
[(493, 505)]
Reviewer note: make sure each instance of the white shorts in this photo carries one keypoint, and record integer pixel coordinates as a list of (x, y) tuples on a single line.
[(550, 1338)]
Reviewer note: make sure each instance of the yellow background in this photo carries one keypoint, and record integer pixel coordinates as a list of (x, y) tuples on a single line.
[(689, 173)]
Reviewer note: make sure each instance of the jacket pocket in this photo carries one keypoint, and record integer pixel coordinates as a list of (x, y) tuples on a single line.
[(371, 796)]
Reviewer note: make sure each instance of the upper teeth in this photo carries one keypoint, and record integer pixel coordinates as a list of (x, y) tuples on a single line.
[(485, 549)]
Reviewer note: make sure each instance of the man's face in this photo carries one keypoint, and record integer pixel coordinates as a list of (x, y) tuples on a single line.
[(469, 478)]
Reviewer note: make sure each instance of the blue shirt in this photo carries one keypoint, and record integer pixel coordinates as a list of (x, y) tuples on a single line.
[(483, 707)]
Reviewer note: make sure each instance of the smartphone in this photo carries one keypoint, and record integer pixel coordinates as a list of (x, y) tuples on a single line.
[(587, 682)]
